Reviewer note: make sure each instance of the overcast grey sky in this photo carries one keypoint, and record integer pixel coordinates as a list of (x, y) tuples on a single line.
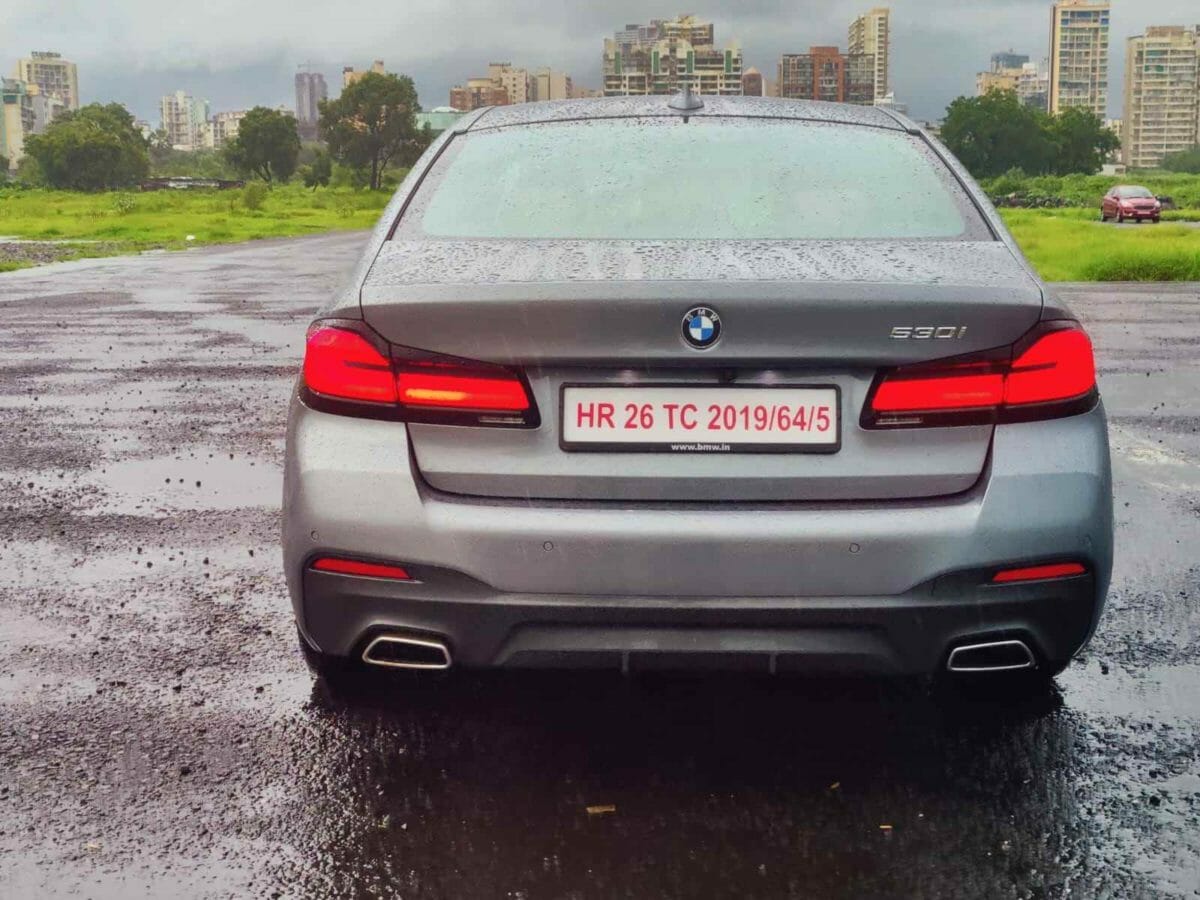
[(239, 53)]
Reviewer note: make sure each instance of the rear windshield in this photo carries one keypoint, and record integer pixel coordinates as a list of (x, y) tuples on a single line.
[(709, 178)]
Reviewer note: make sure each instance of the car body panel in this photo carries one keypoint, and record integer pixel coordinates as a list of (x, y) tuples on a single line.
[(600, 301), (351, 483)]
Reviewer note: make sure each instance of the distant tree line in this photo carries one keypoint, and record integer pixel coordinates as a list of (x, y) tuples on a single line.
[(996, 133), (370, 128)]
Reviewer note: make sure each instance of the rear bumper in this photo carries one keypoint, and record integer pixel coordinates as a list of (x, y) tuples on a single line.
[(836, 587), (907, 634)]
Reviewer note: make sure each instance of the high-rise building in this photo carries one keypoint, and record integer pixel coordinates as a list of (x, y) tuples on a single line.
[(752, 83), (1004, 80), (825, 73), (1027, 80), (310, 91), (662, 57), (546, 84), (185, 121), (1033, 85), (477, 93), (351, 74), (1007, 59), (54, 76), (870, 35), (505, 84), (1162, 95), (16, 119), (514, 81), (46, 107), (1079, 55), (224, 127)]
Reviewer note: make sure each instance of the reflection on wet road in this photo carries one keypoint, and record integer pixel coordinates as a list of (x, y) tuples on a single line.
[(159, 734)]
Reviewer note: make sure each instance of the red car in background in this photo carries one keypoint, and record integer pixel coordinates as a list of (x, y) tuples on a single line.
[(1127, 201)]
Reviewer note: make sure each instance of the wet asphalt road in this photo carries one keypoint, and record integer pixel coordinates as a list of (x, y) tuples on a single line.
[(160, 736)]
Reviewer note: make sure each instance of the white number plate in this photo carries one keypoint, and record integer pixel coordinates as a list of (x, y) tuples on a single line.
[(693, 419)]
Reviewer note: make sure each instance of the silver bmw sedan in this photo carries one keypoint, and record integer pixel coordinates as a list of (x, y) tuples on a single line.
[(678, 382)]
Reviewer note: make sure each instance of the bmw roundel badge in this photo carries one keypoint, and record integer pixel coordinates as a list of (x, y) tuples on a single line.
[(701, 327)]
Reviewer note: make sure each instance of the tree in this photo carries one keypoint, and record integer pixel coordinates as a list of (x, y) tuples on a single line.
[(267, 145), (373, 123), (203, 163), (996, 132), (318, 173), (1081, 142), (160, 149), (1186, 161), (91, 149)]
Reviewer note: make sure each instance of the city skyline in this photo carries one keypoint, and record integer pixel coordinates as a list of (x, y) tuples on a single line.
[(230, 80)]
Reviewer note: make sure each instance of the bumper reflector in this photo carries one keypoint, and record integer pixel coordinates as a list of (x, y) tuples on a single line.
[(1039, 573), (363, 569)]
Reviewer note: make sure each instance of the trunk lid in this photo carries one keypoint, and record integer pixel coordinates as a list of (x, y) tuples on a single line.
[(610, 312)]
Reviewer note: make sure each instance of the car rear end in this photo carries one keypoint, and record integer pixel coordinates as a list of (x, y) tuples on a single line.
[(765, 387)]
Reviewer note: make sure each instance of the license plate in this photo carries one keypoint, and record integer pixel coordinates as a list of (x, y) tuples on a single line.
[(701, 419)]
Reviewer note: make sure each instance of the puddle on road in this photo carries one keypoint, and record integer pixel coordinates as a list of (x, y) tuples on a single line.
[(202, 479), (208, 479), (27, 686), (109, 392), (1153, 693), (284, 338)]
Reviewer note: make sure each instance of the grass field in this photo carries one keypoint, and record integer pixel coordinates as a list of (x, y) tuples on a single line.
[(1072, 245), (130, 222), (1063, 244), (1086, 190)]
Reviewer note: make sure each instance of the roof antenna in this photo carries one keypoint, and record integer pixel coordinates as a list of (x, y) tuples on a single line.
[(685, 100)]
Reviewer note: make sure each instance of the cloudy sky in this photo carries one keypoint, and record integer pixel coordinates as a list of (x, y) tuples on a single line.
[(239, 53)]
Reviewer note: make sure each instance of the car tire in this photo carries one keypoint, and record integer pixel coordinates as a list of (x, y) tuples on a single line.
[(1156, 220), (1120, 218)]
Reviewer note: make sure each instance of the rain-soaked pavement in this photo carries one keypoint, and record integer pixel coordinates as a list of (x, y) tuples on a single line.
[(159, 734)]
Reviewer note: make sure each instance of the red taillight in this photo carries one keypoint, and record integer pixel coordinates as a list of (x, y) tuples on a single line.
[(1038, 573), (350, 370), (1050, 373), (343, 364), (364, 569), (1058, 366), (953, 387), (441, 390)]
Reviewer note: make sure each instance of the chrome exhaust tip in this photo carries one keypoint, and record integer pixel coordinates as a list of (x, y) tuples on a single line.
[(395, 651), (991, 656)]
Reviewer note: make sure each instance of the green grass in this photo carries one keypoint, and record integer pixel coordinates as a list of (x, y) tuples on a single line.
[(1072, 245), (134, 221), (1086, 190)]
